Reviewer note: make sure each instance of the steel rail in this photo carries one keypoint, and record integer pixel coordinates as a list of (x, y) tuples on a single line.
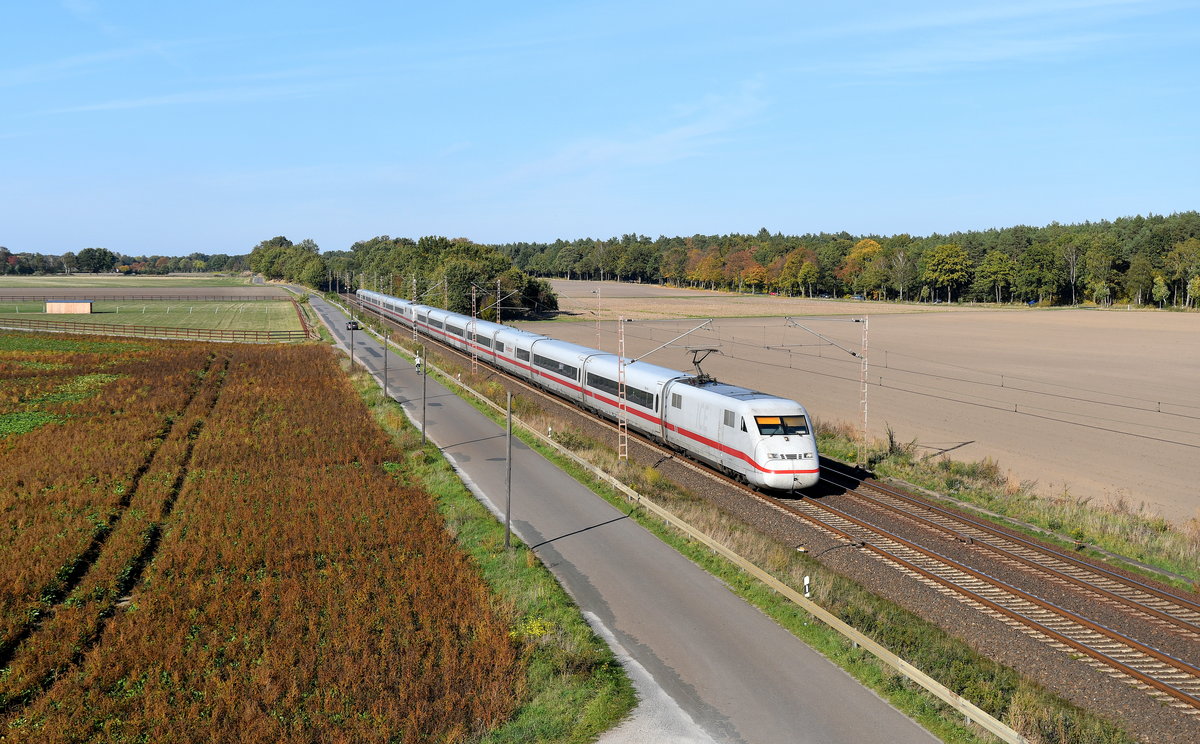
[(1161, 593), (1189, 624), (1059, 636)]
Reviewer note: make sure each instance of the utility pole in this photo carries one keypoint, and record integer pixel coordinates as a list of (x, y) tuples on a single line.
[(508, 477), (623, 418), (424, 372), (471, 333), (862, 377), (861, 354), (597, 293)]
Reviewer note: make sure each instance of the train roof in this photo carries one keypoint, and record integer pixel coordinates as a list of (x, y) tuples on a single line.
[(638, 369), (735, 391), (645, 368), (382, 296)]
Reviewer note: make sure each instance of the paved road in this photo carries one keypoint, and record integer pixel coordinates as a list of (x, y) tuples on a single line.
[(708, 666)]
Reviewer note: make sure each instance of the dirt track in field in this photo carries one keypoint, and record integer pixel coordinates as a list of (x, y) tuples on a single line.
[(1101, 404)]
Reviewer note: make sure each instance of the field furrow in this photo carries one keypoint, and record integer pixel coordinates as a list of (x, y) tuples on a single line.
[(269, 579)]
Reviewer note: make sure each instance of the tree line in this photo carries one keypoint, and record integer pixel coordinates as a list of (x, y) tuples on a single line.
[(455, 274), (104, 261), (1139, 260)]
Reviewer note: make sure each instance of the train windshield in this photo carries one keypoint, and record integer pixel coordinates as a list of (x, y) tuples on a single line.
[(781, 424)]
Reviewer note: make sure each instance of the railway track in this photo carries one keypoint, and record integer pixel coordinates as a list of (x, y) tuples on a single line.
[(1170, 680), (1173, 681), (1155, 604)]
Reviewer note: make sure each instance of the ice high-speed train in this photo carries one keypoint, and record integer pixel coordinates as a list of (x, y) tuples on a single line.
[(762, 439)]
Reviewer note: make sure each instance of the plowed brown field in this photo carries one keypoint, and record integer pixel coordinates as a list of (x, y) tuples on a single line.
[(1102, 404)]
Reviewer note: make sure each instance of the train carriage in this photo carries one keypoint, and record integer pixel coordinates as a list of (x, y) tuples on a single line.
[(558, 367), (643, 391)]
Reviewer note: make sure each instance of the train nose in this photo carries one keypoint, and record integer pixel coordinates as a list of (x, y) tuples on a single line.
[(790, 480), (790, 471)]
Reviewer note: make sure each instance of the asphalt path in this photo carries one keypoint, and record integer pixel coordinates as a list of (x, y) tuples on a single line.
[(707, 666)]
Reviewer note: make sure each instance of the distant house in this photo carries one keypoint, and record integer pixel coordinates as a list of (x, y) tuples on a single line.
[(69, 307)]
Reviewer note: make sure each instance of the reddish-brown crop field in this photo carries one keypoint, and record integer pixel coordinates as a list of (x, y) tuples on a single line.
[(202, 543)]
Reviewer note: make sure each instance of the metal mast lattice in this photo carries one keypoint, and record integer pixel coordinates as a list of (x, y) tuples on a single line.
[(413, 309), (862, 381), (623, 418), (471, 334)]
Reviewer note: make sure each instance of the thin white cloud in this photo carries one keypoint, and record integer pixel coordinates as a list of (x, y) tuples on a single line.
[(695, 130), (55, 69), (987, 14), (975, 52), (971, 36), (196, 97), (87, 11)]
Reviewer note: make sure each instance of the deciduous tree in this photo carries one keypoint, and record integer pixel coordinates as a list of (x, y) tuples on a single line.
[(96, 260), (996, 271), (947, 266)]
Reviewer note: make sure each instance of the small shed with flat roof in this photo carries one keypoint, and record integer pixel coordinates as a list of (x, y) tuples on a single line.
[(68, 307)]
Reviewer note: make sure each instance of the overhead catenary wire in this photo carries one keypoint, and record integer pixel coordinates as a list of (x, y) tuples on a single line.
[(794, 361), (1152, 405)]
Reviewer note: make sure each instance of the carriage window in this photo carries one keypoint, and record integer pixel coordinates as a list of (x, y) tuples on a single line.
[(556, 366), (523, 355), (729, 418), (771, 425), (632, 394)]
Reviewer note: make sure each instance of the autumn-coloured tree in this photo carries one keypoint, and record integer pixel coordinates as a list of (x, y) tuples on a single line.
[(947, 266), (709, 269), (855, 268)]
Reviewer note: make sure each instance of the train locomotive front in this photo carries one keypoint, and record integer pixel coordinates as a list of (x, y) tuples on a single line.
[(763, 439)]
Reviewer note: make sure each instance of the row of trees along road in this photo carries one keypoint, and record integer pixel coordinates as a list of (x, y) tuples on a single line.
[(1134, 259), (435, 270)]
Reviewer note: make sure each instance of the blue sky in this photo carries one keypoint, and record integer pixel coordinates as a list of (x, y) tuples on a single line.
[(167, 128)]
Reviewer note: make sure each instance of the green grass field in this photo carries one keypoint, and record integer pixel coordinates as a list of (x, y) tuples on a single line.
[(117, 281), (183, 313)]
